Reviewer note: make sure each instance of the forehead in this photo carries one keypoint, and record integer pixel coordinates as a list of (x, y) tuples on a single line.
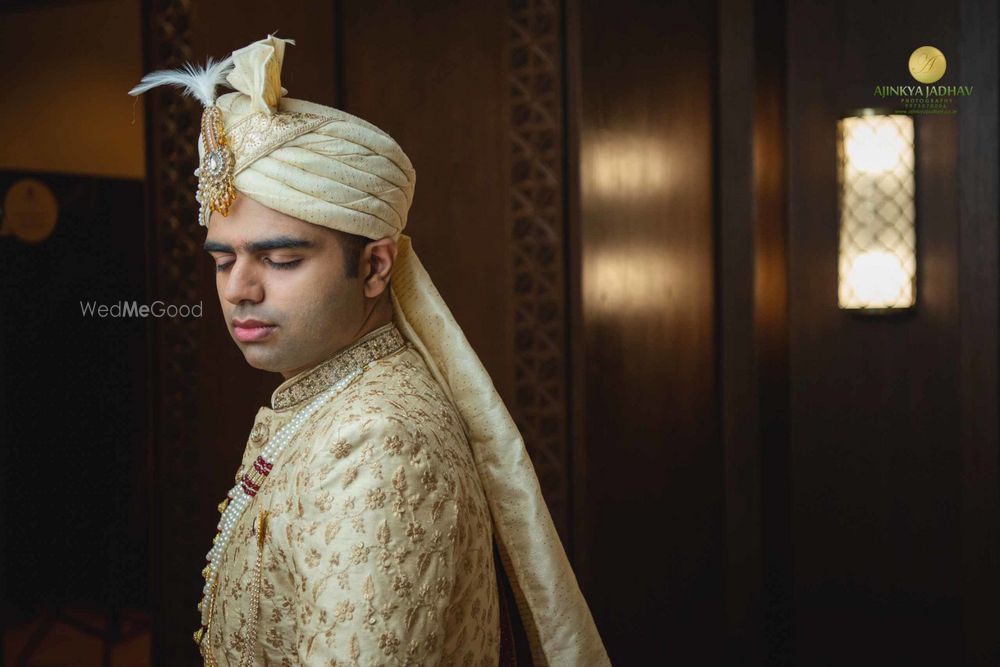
[(249, 220)]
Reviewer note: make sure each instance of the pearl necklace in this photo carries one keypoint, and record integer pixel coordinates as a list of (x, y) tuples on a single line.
[(239, 496)]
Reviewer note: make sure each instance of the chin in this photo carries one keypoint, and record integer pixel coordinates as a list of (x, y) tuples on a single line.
[(262, 359)]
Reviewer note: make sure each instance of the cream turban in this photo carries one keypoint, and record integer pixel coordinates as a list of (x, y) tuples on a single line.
[(330, 168), (310, 161)]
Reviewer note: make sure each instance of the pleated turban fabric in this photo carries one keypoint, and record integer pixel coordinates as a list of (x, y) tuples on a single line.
[(310, 161)]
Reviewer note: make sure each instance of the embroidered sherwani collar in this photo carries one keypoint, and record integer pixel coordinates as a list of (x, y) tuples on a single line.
[(374, 345)]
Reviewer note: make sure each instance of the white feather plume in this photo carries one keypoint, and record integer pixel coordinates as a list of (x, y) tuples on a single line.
[(196, 81)]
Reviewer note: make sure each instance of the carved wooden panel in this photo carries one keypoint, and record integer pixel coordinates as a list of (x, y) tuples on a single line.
[(174, 257), (537, 230)]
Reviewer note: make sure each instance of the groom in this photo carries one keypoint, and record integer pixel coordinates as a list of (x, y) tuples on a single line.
[(385, 505)]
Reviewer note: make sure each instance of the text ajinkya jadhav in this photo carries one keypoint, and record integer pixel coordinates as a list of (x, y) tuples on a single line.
[(923, 91)]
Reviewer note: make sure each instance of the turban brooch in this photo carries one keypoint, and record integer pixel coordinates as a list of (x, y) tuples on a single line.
[(216, 186)]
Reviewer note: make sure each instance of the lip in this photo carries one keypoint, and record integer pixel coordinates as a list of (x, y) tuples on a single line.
[(248, 331)]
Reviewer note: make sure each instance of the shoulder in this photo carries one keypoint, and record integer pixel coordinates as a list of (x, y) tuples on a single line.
[(397, 394), (406, 372), (395, 414)]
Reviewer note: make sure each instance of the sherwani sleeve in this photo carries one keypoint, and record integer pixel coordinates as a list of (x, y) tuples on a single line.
[(373, 545)]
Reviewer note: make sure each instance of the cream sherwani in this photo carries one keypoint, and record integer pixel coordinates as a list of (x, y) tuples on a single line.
[(370, 542)]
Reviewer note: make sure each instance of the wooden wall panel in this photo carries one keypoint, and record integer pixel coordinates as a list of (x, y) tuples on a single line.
[(753, 325), (431, 75), (651, 502), (978, 190), (875, 403)]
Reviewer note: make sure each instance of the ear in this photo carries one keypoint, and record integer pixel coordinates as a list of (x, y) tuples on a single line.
[(378, 257)]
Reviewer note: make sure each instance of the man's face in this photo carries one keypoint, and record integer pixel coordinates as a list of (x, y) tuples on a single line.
[(282, 287)]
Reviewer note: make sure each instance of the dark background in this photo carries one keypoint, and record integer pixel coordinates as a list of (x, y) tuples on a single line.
[(631, 209), (74, 417)]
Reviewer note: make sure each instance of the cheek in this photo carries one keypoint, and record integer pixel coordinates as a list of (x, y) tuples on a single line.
[(220, 289), (314, 292)]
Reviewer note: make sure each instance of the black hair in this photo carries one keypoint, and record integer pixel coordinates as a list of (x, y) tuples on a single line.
[(352, 245)]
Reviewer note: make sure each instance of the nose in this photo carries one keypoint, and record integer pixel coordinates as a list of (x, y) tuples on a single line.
[(242, 283)]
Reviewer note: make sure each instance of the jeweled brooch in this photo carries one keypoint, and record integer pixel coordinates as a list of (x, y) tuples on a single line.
[(216, 180)]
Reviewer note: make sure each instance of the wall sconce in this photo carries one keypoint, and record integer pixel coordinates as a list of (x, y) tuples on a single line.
[(878, 264)]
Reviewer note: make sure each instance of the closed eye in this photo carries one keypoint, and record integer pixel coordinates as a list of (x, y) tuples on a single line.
[(223, 262), (282, 265)]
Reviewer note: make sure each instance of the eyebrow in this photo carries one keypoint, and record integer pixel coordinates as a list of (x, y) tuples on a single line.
[(277, 243)]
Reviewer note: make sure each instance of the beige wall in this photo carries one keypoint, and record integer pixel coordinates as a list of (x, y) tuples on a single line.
[(66, 70)]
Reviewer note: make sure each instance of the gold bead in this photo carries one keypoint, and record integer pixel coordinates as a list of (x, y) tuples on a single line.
[(258, 433), (198, 635), (223, 505), (207, 572)]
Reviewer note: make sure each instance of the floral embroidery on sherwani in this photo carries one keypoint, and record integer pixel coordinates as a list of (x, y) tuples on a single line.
[(377, 543)]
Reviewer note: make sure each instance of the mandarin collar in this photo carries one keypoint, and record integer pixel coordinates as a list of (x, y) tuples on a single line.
[(372, 346)]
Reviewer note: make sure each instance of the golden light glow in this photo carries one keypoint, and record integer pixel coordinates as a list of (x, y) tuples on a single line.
[(633, 281), (877, 212), (625, 167), (874, 147), (879, 280)]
